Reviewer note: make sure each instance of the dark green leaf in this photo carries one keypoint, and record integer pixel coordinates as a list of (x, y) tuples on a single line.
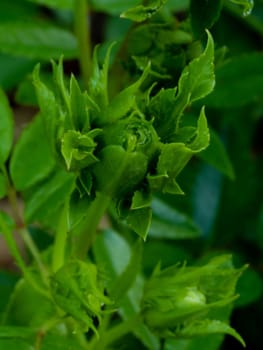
[(239, 77), (246, 4), (35, 40), (204, 13), (125, 280), (249, 287), (113, 7), (169, 223), (59, 4), (7, 283), (6, 128), (13, 69), (32, 159), (140, 220), (141, 13), (217, 156)]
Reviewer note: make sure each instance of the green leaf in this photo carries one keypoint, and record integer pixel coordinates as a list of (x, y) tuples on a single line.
[(77, 290), (77, 149), (58, 340), (14, 344), (204, 13), (79, 112), (113, 253), (216, 155), (140, 220), (32, 159), (141, 13), (197, 79), (125, 170), (125, 280), (14, 332), (210, 342), (6, 128), (57, 4), (48, 107), (247, 294), (206, 327), (7, 284), (98, 84), (24, 302), (124, 102), (169, 223), (113, 7), (13, 69), (241, 78), (202, 137), (246, 4), (44, 200), (35, 40)]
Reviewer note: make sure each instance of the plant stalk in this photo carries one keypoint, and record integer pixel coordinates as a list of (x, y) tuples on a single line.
[(82, 31), (85, 232)]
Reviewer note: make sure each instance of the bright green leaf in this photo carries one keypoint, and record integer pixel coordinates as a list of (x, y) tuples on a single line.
[(32, 159), (6, 128), (47, 198), (77, 149), (14, 332), (197, 79), (140, 13), (35, 40), (98, 84)]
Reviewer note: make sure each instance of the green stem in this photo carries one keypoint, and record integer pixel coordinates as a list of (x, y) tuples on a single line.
[(61, 239), (12, 198), (82, 30), (85, 232), (11, 243), (115, 333), (35, 253)]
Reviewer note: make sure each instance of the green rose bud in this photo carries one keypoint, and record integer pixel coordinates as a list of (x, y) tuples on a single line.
[(177, 301), (76, 290)]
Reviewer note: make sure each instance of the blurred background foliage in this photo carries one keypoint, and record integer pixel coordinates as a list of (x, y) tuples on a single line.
[(222, 209)]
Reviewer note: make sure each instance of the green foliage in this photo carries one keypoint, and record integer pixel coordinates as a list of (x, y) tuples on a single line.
[(115, 161)]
